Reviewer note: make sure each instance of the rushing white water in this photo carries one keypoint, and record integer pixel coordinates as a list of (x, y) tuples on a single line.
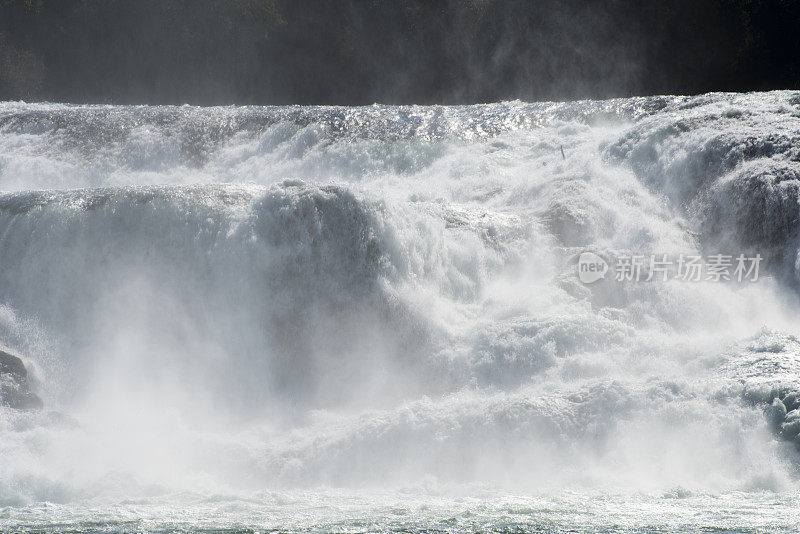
[(361, 319)]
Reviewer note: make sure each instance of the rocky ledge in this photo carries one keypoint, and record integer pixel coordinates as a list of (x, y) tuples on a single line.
[(783, 415), (15, 391)]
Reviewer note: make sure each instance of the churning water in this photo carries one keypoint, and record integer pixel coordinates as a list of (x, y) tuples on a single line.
[(371, 319)]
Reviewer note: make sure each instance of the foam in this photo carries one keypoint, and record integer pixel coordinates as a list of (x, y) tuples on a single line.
[(232, 299)]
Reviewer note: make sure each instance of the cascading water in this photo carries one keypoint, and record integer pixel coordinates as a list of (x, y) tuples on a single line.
[(361, 319)]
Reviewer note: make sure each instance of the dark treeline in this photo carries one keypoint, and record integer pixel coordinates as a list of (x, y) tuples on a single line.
[(403, 51)]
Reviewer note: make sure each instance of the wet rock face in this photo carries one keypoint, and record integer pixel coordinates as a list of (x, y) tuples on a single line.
[(783, 415), (15, 391)]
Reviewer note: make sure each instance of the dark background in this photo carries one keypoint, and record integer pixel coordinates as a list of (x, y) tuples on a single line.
[(403, 51)]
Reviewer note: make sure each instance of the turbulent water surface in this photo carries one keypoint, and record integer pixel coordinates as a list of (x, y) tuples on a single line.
[(323, 319)]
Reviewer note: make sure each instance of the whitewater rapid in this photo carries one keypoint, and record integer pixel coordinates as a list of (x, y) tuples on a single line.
[(327, 318)]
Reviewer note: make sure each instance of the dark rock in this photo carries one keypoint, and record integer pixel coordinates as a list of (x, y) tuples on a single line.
[(12, 364), (790, 429), (15, 391), (793, 415), (776, 413), (791, 401)]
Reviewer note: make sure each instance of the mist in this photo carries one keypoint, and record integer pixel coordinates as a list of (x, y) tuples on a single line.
[(399, 266)]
